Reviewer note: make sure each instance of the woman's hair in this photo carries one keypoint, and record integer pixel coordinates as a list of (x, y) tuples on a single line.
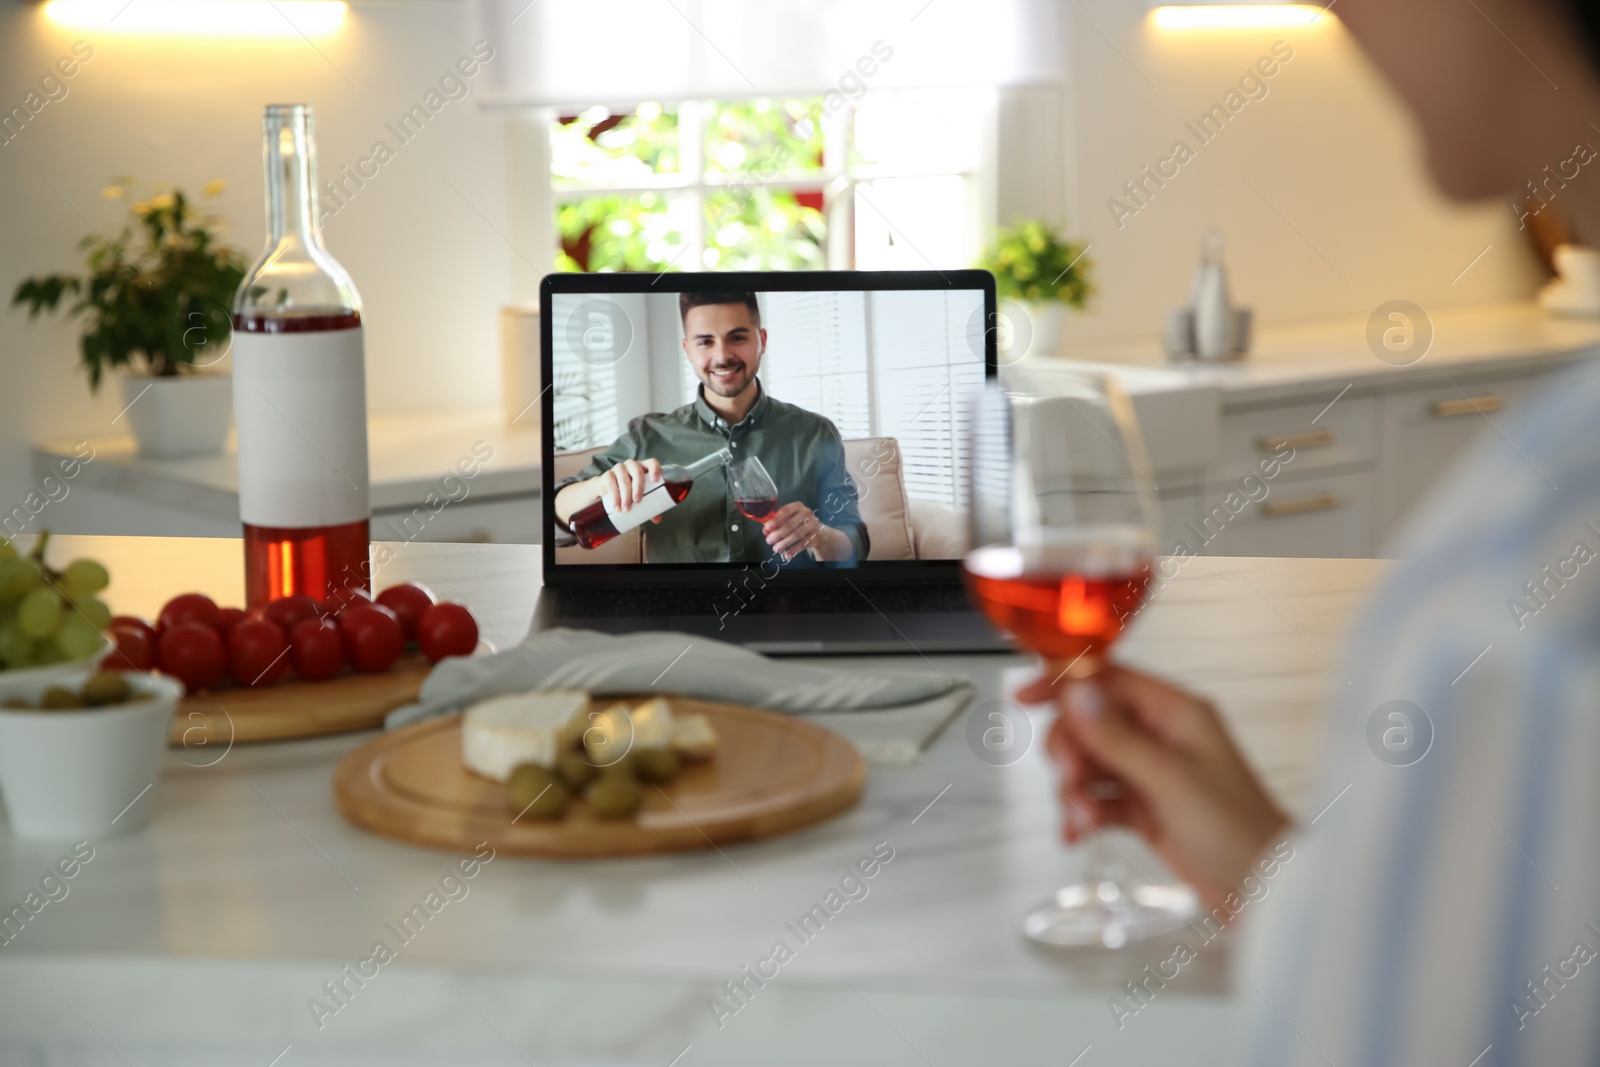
[(1587, 13)]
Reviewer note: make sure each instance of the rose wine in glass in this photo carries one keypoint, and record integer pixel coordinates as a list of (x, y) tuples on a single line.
[(755, 494), (299, 388), (598, 522), (1065, 597), (1062, 563)]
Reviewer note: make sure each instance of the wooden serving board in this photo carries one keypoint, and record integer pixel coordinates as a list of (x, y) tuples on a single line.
[(292, 710), (771, 774)]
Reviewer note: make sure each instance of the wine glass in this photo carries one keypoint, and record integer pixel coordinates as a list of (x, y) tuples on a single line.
[(754, 493), (1063, 522)]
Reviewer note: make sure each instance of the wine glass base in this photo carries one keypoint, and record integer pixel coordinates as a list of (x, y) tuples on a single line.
[(1109, 915)]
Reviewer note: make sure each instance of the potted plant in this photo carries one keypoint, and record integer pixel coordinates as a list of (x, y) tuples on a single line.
[(157, 301), (1038, 275)]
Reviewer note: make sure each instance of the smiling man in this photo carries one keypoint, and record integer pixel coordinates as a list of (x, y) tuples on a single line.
[(818, 520)]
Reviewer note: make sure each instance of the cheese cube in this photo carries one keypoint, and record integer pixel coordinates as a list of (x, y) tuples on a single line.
[(693, 738), (499, 733)]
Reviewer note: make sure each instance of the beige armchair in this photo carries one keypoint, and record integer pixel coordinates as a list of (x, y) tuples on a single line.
[(900, 528)]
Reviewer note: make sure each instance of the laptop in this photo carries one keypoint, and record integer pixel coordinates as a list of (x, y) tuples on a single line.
[(770, 459)]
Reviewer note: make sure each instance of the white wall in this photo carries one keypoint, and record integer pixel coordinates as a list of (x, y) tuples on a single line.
[(431, 270), (1329, 147)]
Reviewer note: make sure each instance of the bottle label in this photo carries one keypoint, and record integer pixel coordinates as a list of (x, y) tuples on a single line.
[(300, 405), (656, 500)]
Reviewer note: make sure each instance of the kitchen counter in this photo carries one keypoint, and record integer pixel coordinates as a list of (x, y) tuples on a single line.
[(202, 938), (1323, 357), (411, 454)]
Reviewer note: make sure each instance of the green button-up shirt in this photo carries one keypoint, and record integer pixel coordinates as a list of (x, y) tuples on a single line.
[(800, 449)]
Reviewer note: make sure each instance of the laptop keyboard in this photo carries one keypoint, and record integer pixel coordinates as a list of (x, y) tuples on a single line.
[(771, 600)]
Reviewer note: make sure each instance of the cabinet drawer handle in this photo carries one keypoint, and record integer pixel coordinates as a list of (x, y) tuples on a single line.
[(1284, 508), (1314, 439), (1467, 405)]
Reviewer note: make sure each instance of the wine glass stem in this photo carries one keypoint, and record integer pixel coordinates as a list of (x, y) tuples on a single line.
[(1099, 868)]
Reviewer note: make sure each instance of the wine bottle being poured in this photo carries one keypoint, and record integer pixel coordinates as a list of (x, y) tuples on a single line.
[(299, 393), (596, 523)]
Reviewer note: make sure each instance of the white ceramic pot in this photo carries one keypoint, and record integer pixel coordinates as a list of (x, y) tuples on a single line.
[(185, 415), (79, 775), (1030, 329)]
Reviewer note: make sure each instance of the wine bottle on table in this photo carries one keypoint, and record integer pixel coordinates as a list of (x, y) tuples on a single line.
[(299, 392), (596, 523)]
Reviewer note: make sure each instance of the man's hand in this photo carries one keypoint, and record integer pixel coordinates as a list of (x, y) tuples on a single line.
[(794, 528), (622, 486), (1185, 787)]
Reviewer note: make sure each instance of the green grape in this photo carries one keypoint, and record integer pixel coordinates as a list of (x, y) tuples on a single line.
[(84, 576), (47, 652), (39, 613), (15, 648), (7, 549), (76, 639), (21, 578), (94, 611)]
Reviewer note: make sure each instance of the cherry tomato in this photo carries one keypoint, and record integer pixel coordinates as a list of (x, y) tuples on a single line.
[(133, 622), (408, 601), (192, 653), (348, 597), (189, 607), (447, 630), (373, 639), (290, 611), (258, 654), (135, 645), (316, 649), (228, 618)]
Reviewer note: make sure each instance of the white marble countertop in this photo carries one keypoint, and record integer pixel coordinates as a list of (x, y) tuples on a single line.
[(201, 938), (409, 455), (1322, 357)]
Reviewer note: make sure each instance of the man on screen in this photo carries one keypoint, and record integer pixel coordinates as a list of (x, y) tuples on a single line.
[(818, 519)]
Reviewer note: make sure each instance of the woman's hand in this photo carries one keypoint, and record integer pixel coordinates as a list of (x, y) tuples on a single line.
[(1184, 786)]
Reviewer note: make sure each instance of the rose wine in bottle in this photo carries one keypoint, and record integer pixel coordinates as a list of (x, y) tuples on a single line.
[(596, 523), (299, 393)]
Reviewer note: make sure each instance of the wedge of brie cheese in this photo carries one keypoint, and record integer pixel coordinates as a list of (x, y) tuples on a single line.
[(499, 733)]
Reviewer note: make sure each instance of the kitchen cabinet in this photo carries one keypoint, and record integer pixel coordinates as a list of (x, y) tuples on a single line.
[(1425, 430), (1315, 515)]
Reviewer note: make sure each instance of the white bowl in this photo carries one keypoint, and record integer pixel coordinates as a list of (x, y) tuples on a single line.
[(79, 774)]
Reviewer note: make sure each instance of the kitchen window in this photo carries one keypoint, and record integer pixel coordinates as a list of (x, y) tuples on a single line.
[(888, 181)]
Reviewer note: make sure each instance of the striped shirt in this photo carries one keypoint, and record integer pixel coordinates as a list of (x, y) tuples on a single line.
[(1445, 910)]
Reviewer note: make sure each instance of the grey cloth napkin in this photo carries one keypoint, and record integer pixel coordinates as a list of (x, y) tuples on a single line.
[(890, 716)]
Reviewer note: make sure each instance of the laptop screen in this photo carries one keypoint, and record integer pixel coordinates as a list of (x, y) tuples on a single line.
[(787, 422)]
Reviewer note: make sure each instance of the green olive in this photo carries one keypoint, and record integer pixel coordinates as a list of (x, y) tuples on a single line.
[(575, 770), (534, 791), (655, 765), (105, 687), (15, 702), (58, 698), (615, 797)]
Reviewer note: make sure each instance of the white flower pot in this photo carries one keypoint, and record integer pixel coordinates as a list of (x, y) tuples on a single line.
[(82, 774), (185, 415), (1029, 330)]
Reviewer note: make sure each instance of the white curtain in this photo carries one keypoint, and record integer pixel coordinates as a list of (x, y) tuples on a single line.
[(575, 53)]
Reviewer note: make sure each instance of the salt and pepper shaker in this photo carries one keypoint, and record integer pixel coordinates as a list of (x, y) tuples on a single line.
[(1210, 328)]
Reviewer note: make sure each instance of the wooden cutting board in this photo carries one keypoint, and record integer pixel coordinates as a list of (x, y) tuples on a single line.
[(771, 774), (289, 710)]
